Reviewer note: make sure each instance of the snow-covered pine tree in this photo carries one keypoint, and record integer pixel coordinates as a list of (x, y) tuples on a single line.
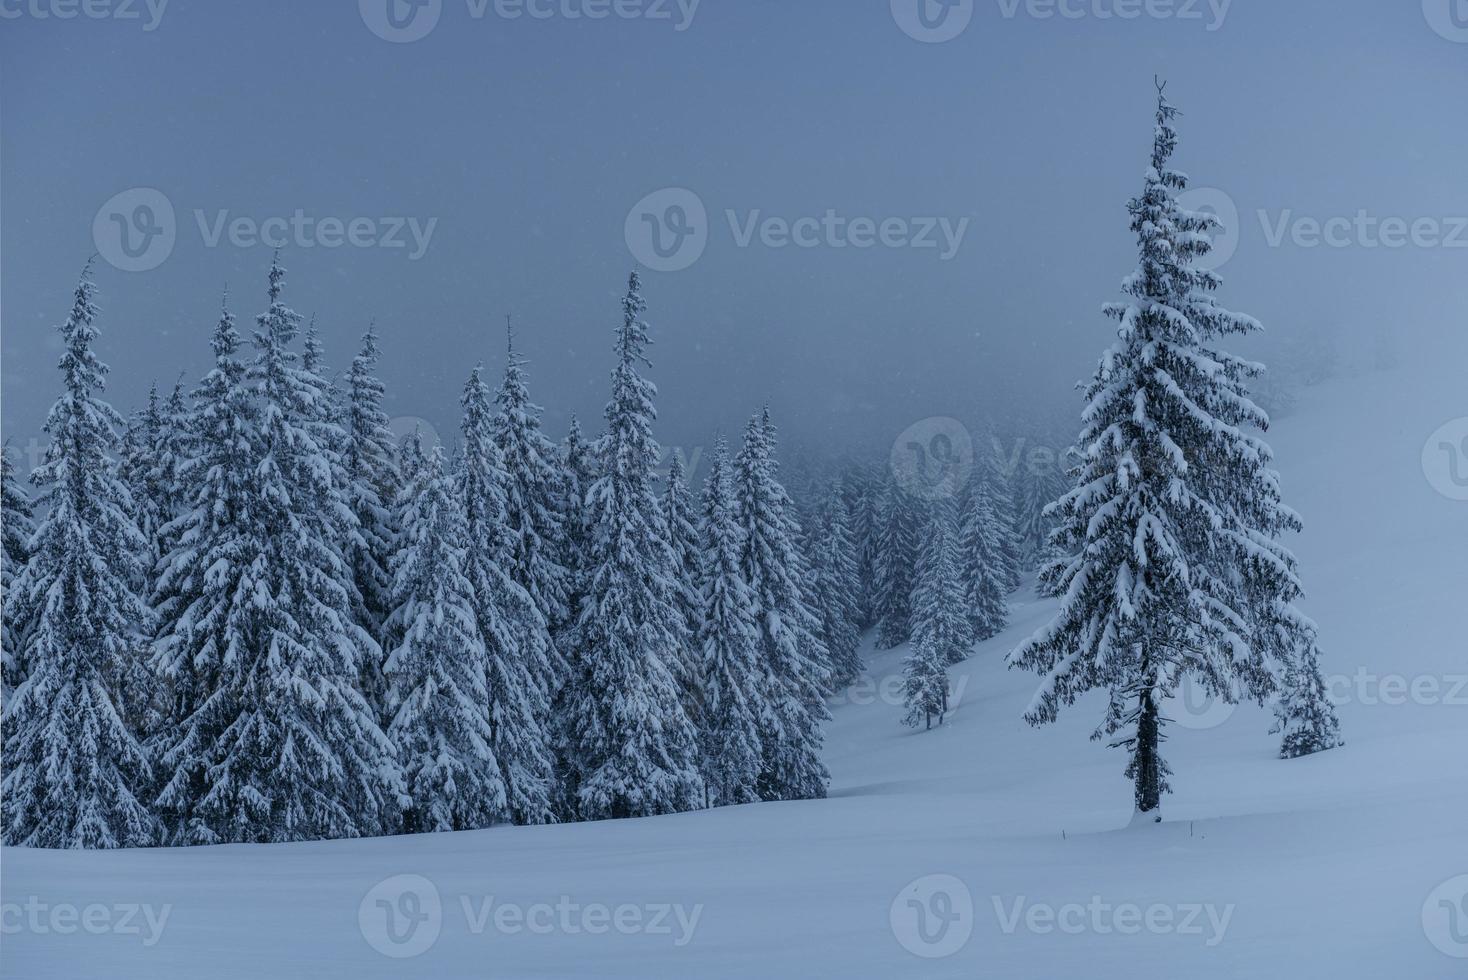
[(156, 446), (941, 631), (733, 682), (175, 449), (73, 769), (579, 470), (999, 480), (137, 468), (516, 640), (1174, 526), (983, 562), (678, 518), (370, 461), (863, 494), (630, 747), (939, 617), (836, 586), (1038, 484), (288, 747), (204, 620), (793, 657), (1052, 561), (924, 685), (1305, 715), (411, 457), (534, 498), (440, 668), (899, 531), (17, 524), (324, 417)]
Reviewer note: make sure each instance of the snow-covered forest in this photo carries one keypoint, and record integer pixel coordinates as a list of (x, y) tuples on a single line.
[(248, 615), (1156, 672)]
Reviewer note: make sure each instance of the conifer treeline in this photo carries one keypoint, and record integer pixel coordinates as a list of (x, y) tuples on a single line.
[(249, 615)]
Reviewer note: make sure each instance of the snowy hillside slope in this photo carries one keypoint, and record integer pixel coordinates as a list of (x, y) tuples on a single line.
[(1264, 869)]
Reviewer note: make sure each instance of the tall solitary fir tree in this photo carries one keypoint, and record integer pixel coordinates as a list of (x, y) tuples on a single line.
[(74, 771), (1173, 528), (630, 746), (516, 640), (534, 499), (440, 668), (732, 681), (793, 656)]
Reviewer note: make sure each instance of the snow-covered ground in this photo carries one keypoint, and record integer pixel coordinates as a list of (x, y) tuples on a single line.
[(1004, 847)]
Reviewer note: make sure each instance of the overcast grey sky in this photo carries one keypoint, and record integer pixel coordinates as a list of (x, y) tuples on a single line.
[(524, 143)]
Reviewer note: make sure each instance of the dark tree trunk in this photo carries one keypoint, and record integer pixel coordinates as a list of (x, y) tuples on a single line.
[(1147, 773)]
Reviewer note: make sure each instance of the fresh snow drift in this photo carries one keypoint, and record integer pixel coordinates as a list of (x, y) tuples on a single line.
[(1335, 865)]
